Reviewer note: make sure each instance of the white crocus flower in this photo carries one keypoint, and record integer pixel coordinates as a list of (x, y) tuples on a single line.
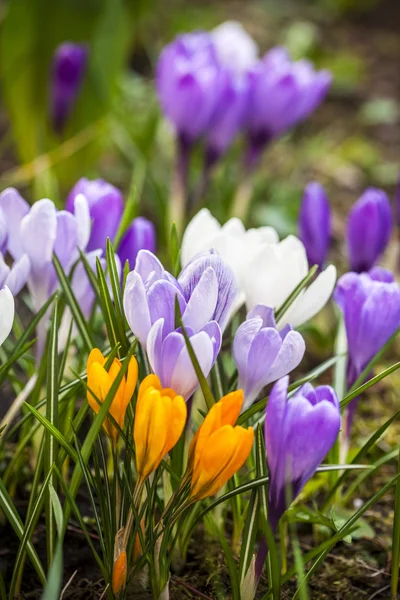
[(6, 313), (231, 241), (236, 49), (276, 271)]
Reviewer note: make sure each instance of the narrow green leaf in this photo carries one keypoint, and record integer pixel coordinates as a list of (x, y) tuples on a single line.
[(175, 251), (107, 306), (231, 564), (362, 388), (396, 536), (14, 519), (117, 295), (298, 289), (51, 449), (73, 305), (53, 586), (53, 431)]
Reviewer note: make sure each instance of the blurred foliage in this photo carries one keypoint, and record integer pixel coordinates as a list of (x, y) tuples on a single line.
[(30, 32)]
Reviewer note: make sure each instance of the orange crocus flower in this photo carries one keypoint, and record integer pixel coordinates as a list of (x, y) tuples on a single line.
[(219, 449), (100, 381), (160, 417)]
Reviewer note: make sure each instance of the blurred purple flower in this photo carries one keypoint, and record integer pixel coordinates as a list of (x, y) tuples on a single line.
[(315, 224), (370, 303), (205, 291), (67, 74), (262, 353), (229, 116), (282, 94), (189, 84), (369, 227), (298, 435), (105, 205), (141, 235)]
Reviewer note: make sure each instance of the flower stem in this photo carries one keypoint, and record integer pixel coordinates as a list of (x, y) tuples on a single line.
[(180, 185)]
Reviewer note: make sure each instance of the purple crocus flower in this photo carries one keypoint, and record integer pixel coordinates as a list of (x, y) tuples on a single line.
[(369, 227), (189, 83), (34, 234), (105, 205), (315, 224), (298, 435), (282, 94), (370, 303), (205, 291), (141, 235), (262, 353), (14, 277), (67, 74), (229, 115)]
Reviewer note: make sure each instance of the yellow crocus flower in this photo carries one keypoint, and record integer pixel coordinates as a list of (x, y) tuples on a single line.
[(160, 417), (219, 449), (100, 381)]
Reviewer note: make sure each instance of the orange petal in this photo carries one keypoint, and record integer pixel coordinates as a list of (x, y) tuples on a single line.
[(120, 571), (150, 430), (95, 356), (99, 383), (231, 406), (131, 380), (211, 423), (176, 423)]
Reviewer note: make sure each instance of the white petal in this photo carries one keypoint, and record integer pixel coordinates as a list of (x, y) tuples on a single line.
[(83, 222), (198, 234), (6, 313), (235, 48), (312, 300)]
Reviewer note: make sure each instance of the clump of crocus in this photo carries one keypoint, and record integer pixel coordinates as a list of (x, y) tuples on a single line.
[(105, 205), (99, 383), (219, 449), (370, 303), (141, 235), (369, 227), (264, 354), (67, 75), (315, 224), (160, 417)]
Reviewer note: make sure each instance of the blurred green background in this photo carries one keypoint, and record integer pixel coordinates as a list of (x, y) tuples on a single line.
[(116, 131)]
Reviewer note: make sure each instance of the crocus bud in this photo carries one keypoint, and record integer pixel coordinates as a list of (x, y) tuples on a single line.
[(7, 311), (99, 382), (219, 449), (282, 94), (298, 436), (106, 206), (120, 566), (262, 353), (369, 227), (67, 74), (141, 235), (315, 224), (160, 417), (188, 83)]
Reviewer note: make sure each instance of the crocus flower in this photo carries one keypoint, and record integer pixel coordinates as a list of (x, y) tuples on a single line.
[(188, 84), (231, 241), (315, 224), (219, 449), (99, 383), (235, 48), (369, 228), (160, 418), (276, 271), (205, 291), (229, 115), (67, 74), (120, 573), (105, 205), (298, 435), (7, 310), (370, 303), (16, 276), (141, 235), (262, 353), (282, 94)]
